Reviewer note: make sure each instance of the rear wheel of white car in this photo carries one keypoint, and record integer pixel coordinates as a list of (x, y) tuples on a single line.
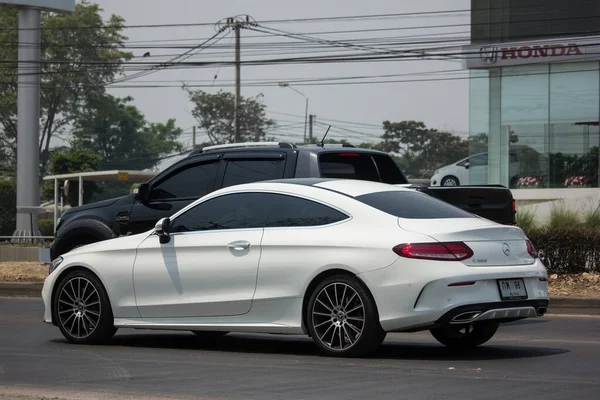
[(465, 336), (342, 318), (82, 309)]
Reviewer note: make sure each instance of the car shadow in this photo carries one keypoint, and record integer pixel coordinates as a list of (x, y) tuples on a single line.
[(304, 346)]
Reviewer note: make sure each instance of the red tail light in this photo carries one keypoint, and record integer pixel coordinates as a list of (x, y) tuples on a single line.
[(514, 206), (531, 249), (452, 251)]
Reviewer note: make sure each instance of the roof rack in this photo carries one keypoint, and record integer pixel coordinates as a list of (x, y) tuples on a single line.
[(245, 144), (333, 145)]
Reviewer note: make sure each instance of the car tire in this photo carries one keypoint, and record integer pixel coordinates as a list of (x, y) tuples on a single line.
[(450, 181), (210, 335), (473, 335), (342, 307), (82, 309)]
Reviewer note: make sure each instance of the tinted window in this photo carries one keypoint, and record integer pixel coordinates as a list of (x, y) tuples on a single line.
[(193, 181), (246, 171), (367, 167), (231, 211), (389, 171), (294, 211), (478, 161), (412, 205)]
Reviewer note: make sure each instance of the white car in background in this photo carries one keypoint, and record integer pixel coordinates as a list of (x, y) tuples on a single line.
[(344, 261), (472, 170)]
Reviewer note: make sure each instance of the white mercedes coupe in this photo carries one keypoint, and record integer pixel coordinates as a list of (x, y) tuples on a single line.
[(344, 261)]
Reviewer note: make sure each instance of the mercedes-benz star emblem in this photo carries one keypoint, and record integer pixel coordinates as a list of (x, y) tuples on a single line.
[(506, 249)]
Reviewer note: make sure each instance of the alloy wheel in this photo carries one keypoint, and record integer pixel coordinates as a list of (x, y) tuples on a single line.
[(338, 316), (79, 307)]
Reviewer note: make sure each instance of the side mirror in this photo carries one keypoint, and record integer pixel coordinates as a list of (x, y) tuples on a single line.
[(162, 230), (142, 192), (467, 165)]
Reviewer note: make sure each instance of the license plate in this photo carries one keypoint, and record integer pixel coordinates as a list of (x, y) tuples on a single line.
[(512, 289)]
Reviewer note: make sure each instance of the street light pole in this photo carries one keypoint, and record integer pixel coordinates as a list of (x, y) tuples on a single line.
[(285, 84)]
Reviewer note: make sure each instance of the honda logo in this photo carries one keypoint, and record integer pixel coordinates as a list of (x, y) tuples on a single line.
[(488, 55)]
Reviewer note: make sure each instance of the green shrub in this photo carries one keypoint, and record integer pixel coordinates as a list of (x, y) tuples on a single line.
[(8, 207), (562, 217), (569, 250), (526, 220), (46, 226)]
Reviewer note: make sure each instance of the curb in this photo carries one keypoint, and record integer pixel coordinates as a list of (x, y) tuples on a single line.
[(558, 305)]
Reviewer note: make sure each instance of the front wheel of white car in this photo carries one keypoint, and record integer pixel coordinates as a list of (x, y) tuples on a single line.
[(82, 309), (342, 318), (465, 336)]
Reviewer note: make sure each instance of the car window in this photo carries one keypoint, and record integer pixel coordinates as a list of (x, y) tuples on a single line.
[(253, 170), (389, 171), (230, 211), (193, 181), (412, 205), (292, 211), (348, 166), (479, 161)]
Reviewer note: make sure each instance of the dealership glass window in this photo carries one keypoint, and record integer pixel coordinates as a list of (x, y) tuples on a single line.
[(479, 120), (521, 150), (573, 139)]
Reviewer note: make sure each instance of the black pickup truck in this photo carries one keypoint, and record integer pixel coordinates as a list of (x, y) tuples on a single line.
[(215, 167)]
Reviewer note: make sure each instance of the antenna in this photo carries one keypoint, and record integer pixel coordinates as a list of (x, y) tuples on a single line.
[(322, 143)]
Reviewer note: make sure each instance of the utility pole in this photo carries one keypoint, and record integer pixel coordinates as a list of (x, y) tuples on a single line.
[(238, 84), (237, 23), (310, 128), (194, 138)]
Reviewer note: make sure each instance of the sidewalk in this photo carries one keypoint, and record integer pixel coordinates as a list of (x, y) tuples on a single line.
[(558, 305)]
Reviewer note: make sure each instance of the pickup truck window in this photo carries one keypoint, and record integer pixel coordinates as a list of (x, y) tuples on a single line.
[(412, 205), (294, 211), (230, 211), (193, 181), (252, 170), (364, 166)]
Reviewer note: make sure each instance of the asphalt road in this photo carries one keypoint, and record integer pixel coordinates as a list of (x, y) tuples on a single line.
[(554, 357)]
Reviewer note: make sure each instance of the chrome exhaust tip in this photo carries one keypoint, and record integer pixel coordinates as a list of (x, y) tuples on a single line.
[(466, 316), (541, 311)]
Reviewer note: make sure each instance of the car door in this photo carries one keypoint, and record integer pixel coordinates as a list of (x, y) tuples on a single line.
[(297, 239), (172, 192), (209, 266)]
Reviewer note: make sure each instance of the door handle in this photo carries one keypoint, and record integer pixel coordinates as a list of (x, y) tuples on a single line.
[(239, 245)]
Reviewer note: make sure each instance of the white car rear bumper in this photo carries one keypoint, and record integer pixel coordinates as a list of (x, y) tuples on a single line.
[(419, 298)]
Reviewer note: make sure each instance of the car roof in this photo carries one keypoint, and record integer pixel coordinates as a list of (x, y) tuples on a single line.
[(262, 146), (348, 187)]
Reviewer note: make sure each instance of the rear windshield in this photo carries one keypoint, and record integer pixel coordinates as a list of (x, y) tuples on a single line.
[(412, 205), (363, 166)]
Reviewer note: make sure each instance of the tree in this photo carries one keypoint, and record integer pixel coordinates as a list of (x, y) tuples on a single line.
[(65, 162), (70, 44), (215, 114), (406, 137), (119, 134)]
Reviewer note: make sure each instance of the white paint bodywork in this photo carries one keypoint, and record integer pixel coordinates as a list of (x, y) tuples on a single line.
[(197, 282)]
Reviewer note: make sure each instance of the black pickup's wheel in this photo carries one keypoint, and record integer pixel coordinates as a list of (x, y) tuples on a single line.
[(82, 309)]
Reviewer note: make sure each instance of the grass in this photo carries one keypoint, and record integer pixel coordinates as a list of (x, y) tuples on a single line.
[(591, 217), (562, 217), (526, 220)]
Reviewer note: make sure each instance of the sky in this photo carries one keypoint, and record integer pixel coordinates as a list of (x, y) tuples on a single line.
[(357, 111)]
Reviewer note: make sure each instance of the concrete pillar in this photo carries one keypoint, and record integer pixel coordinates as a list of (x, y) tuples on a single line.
[(495, 131), (28, 125)]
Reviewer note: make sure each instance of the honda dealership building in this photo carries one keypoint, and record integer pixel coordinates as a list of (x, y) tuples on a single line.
[(534, 70)]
